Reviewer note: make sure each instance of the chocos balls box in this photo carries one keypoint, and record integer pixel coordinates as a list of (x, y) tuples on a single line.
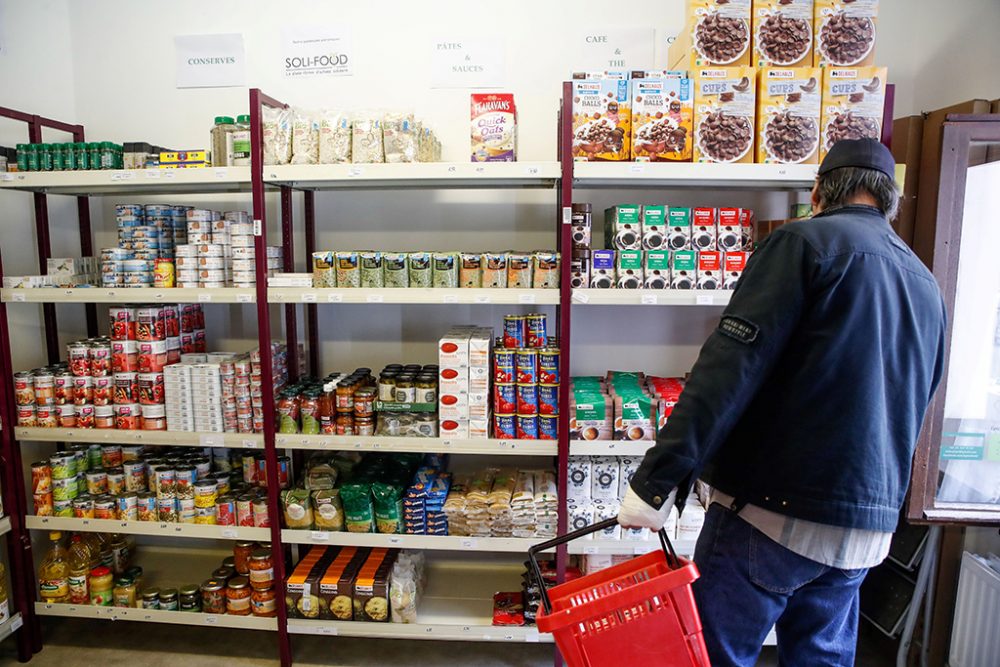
[(845, 32), (783, 33), (724, 105), (662, 118), (602, 119), (720, 32), (788, 111), (853, 103)]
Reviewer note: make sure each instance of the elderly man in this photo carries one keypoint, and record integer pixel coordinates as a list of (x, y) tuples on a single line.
[(802, 413)]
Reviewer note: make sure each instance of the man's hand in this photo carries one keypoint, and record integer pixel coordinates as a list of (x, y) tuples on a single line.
[(635, 513)]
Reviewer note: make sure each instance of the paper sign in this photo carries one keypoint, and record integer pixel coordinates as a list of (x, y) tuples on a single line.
[(474, 62), (210, 61), (316, 51), (602, 48)]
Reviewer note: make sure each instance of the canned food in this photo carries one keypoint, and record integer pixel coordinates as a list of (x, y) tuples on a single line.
[(26, 416), (99, 355), (46, 416), (131, 453), (83, 389), (135, 475), (527, 427), (116, 482), (205, 493), (79, 358), (244, 510), (548, 399), (186, 511), (126, 388), (163, 273), (150, 324), (166, 509), (65, 489), (63, 465), (63, 388), (526, 361), (124, 356), (66, 415), (164, 481), (184, 479), (97, 482), (122, 320), (103, 390), (504, 427), (41, 477), (261, 519), (24, 388), (128, 506), (45, 388), (548, 427), (527, 399), (249, 462), (111, 456), (151, 389), (548, 366), (62, 508), (146, 506), (105, 507), (43, 504), (152, 356), (83, 507), (503, 365), (535, 330), (127, 417), (85, 416), (514, 331), (104, 416), (225, 510)]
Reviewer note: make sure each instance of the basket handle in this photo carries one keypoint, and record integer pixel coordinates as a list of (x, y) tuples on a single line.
[(668, 551)]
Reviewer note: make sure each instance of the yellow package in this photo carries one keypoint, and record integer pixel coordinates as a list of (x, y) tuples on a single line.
[(845, 32), (662, 119), (853, 104), (602, 119), (719, 32), (782, 33), (788, 111), (724, 107)]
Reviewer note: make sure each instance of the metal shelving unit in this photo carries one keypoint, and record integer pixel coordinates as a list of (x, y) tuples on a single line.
[(609, 447), (633, 175), (140, 295), (650, 297), (429, 542), (115, 436), (403, 295), (450, 175), (157, 616), (363, 443), (156, 528), (131, 182)]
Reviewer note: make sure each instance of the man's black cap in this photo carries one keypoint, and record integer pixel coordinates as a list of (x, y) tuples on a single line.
[(863, 153)]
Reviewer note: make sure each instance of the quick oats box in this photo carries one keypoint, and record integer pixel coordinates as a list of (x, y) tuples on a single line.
[(494, 127), (788, 111), (853, 103), (724, 106), (783, 33), (602, 118), (662, 118), (845, 32), (720, 32)]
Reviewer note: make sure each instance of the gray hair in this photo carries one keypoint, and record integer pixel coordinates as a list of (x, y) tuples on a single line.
[(841, 186)]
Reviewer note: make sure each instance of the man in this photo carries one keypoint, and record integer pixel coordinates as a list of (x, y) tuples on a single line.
[(802, 413)]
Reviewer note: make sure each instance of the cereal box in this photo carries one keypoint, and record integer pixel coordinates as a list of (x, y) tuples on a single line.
[(788, 110), (782, 33), (724, 105), (602, 119), (662, 119), (494, 127), (845, 32), (853, 101), (720, 32)]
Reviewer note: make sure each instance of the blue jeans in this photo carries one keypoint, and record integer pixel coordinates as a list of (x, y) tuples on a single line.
[(749, 584)]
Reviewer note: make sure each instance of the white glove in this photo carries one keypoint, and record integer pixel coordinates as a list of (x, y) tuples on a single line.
[(635, 513)]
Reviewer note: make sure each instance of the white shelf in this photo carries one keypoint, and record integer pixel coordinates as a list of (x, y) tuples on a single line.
[(10, 626), (110, 435), (128, 295), (416, 175), (130, 181), (650, 297), (156, 616), (191, 530), (609, 447), (626, 547), (5, 525), (421, 295), (421, 445), (400, 541), (693, 175), (470, 632)]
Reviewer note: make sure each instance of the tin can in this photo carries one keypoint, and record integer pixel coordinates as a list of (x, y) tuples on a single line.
[(26, 416), (127, 417), (104, 387), (66, 415), (46, 416), (24, 388), (152, 356), (97, 482), (186, 511), (83, 389), (122, 320), (111, 456), (63, 465), (154, 418), (105, 507), (135, 475), (82, 459), (131, 453), (45, 388), (535, 330), (116, 481), (151, 389), (99, 356), (94, 456), (527, 399), (205, 493), (526, 360), (261, 518), (548, 427), (548, 399), (515, 333), (244, 509), (221, 483), (164, 482), (284, 471), (504, 427), (65, 489), (85, 416), (146, 506), (128, 506), (163, 273), (43, 504), (504, 368), (527, 427), (63, 387), (150, 324), (83, 507), (104, 416), (225, 511), (184, 479), (62, 508), (124, 356), (41, 477), (505, 398), (548, 366), (126, 388), (166, 509), (204, 515), (249, 469)]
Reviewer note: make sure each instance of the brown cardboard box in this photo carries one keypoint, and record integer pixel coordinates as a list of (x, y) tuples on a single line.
[(782, 33), (906, 139), (336, 586), (930, 175), (724, 107), (714, 34), (371, 591), (788, 114), (302, 587), (845, 33), (853, 104)]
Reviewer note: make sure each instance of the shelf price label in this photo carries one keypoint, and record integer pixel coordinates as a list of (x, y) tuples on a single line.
[(395, 540), (374, 298), (526, 298), (468, 543), (581, 297), (19, 296), (450, 298), (704, 300), (230, 533), (355, 172), (637, 167), (250, 444), (169, 174), (16, 624), (244, 298), (650, 299), (204, 298), (319, 536), (532, 170), (327, 630), (309, 297), (211, 619), (483, 298), (151, 173), (591, 550), (220, 174), (334, 298)]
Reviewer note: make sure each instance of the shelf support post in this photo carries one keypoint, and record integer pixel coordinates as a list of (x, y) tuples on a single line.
[(312, 324)]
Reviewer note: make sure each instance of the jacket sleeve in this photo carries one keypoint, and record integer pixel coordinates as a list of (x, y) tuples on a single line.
[(764, 310)]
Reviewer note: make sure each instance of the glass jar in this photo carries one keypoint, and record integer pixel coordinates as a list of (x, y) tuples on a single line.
[(238, 596), (345, 396), (364, 402), (387, 386), (406, 388), (262, 603), (309, 412), (230, 561), (241, 142), (224, 573), (213, 596), (261, 569), (102, 583), (288, 412), (189, 598), (168, 599), (326, 412), (364, 426), (222, 141), (345, 423), (151, 598), (125, 593), (241, 556), (426, 388), (427, 425)]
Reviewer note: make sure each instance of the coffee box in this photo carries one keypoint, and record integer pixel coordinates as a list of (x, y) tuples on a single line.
[(591, 415), (629, 269), (853, 101), (628, 466), (746, 228), (678, 228), (729, 236), (654, 227), (782, 33), (579, 268), (844, 32), (656, 269), (709, 270), (703, 229), (602, 269), (719, 32), (683, 269), (623, 227), (734, 264), (788, 111), (724, 108), (662, 119), (579, 478), (602, 120), (494, 127), (605, 478)]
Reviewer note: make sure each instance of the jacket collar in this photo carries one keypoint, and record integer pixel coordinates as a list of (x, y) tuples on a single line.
[(858, 209)]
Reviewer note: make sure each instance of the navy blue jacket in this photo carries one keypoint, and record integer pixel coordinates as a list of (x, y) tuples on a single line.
[(808, 398)]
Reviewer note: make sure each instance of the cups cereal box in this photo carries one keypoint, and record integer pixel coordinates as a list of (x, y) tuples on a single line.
[(602, 119), (845, 32), (783, 33), (853, 103), (720, 32), (724, 106), (662, 119), (494, 127), (788, 110)]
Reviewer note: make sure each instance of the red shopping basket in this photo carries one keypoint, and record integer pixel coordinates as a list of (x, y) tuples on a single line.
[(641, 612)]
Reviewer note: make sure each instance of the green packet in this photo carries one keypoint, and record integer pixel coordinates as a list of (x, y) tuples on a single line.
[(388, 507), (359, 516)]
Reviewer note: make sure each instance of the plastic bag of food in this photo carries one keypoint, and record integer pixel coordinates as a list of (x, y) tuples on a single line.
[(305, 137), (334, 137), (399, 134), (328, 511), (366, 140), (404, 591), (388, 507), (359, 516), (277, 135), (297, 509)]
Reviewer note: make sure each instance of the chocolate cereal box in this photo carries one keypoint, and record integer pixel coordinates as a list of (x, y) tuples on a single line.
[(845, 32), (782, 33), (788, 111), (720, 32), (602, 118), (853, 103), (724, 106), (662, 119)]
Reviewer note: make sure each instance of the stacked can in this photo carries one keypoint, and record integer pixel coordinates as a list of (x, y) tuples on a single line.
[(244, 272), (242, 395), (113, 266), (526, 376), (206, 384), (162, 218)]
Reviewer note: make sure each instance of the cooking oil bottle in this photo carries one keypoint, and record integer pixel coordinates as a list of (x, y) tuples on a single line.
[(53, 573)]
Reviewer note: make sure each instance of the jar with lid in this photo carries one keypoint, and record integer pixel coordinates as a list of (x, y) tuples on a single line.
[(44, 157), (288, 411), (222, 141), (224, 573), (168, 599), (125, 593), (387, 386), (241, 142), (261, 570), (345, 395), (230, 561), (102, 583), (364, 402), (151, 598), (213, 596), (364, 426), (238, 596), (189, 598), (262, 603), (426, 388), (345, 423), (427, 425), (406, 388), (241, 555), (326, 412), (309, 412), (56, 151)]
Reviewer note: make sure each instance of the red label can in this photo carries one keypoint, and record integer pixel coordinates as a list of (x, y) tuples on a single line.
[(548, 399), (527, 399), (122, 321), (504, 369), (225, 511), (527, 427), (548, 427), (515, 331), (548, 366), (505, 398), (504, 427), (526, 360), (535, 330)]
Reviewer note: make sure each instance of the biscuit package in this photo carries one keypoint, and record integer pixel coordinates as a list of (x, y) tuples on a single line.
[(494, 127), (662, 119), (724, 106), (853, 104), (788, 114), (602, 119)]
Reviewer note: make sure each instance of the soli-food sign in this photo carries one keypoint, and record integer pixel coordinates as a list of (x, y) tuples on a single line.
[(318, 62)]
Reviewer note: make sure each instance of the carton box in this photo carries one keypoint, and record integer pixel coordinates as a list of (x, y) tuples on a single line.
[(623, 227), (734, 265), (654, 227), (729, 236), (724, 108), (494, 127), (602, 269), (718, 33), (662, 119), (605, 477), (747, 228), (782, 33), (678, 228), (371, 587), (335, 589), (656, 269), (683, 269), (788, 115), (845, 33), (709, 270), (853, 103), (302, 586), (602, 120), (453, 428), (629, 269), (453, 349), (579, 478), (703, 228)]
